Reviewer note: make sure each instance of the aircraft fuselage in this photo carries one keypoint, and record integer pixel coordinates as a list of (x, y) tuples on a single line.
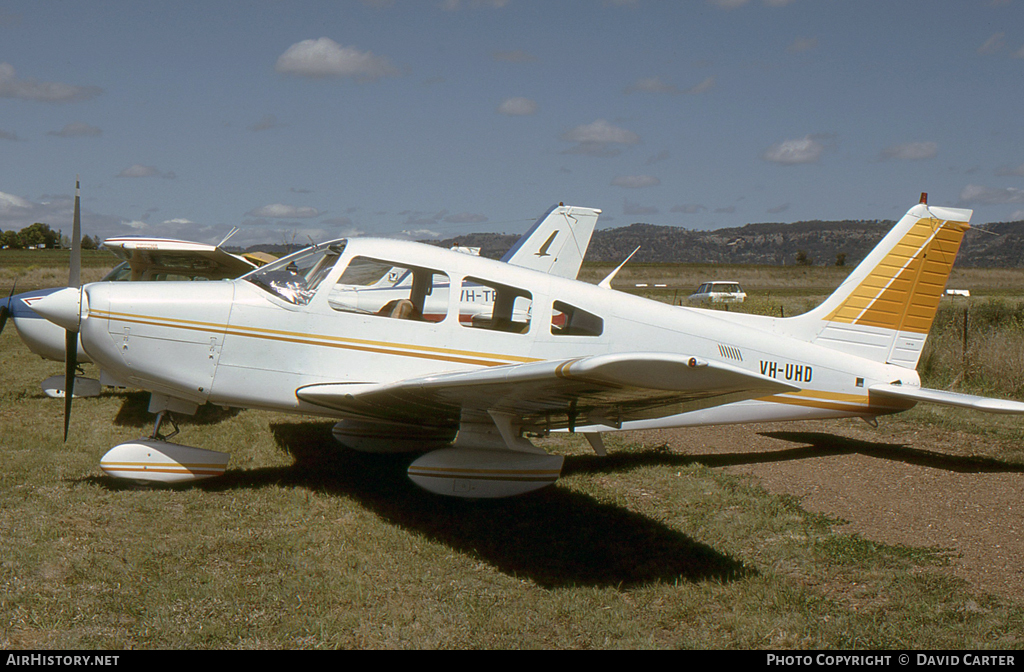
[(242, 344)]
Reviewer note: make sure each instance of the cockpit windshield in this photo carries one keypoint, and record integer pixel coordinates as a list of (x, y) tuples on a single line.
[(296, 277)]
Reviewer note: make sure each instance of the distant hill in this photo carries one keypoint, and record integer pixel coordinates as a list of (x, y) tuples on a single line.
[(820, 242), (767, 243)]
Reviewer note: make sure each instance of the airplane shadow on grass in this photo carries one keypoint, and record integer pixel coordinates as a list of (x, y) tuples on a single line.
[(554, 537), (815, 445)]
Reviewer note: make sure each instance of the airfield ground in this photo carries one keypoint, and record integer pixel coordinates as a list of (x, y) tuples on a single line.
[(905, 483), (797, 535)]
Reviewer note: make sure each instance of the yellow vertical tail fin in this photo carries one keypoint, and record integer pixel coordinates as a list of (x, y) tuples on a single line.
[(885, 308)]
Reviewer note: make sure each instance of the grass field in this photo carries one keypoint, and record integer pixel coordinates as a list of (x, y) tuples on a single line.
[(305, 544)]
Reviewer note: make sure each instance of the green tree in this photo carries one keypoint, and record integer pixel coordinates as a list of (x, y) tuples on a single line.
[(11, 239), (40, 234)]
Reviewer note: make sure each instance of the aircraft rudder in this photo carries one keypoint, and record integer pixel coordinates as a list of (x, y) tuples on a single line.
[(885, 308)]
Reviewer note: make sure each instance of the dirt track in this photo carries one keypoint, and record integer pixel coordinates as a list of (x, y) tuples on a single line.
[(898, 485)]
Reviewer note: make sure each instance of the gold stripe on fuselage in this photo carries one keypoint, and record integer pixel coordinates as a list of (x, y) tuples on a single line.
[(383, 347), (835, 401)]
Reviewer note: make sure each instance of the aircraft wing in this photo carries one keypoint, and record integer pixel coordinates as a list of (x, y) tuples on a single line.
[(152, 257), (556, 394), (987, 404)]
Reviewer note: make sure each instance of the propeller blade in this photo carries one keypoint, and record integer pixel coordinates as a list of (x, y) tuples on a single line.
[(5, 310), (75, 272), (71, 337), (70, 368)]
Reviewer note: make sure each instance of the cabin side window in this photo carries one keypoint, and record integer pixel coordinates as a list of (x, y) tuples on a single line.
[(389, 289), (567, 320), (484, 304)]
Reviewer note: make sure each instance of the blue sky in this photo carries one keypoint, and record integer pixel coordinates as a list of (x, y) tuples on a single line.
[(427, 118)]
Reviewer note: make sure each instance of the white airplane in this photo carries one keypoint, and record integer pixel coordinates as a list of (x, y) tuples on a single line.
[(556, 243), (551, 354)]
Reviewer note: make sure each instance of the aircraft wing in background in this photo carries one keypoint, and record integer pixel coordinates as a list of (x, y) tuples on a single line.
[(168, 259)]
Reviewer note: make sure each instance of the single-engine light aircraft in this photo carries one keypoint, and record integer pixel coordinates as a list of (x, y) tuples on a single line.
[(431, 371)]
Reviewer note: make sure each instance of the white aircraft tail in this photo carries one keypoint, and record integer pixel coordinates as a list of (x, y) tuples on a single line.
[(884, 310), (557, 242)]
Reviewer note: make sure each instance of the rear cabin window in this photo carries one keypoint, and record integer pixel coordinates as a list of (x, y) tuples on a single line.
[(567, 320), (389, 289), (488, 305)]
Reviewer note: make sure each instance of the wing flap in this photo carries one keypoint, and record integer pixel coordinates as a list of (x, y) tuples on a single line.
[(554, 394), (977, 403)]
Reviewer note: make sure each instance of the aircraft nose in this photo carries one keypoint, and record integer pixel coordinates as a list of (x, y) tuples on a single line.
[(64, 308)]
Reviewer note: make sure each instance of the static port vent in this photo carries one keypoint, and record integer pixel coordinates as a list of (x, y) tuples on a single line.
[(730, 352)]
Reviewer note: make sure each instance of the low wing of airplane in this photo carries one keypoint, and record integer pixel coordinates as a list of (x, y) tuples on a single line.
[(434, 370), (551, 394)]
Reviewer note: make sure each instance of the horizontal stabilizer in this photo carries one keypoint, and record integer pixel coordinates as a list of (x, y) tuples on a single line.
[(987, 404)]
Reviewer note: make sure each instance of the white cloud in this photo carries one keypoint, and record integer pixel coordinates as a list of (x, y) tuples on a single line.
[(43, 92), (77, 129), (326, 58), (9, 202), (791, 152), (418, 234), (137, 170), (689, 208), (635, 181), (1008, 171), (703, 87), (596, 138), (517, 107), (281, 211), (978, 195), (993, 44), (911, 151)]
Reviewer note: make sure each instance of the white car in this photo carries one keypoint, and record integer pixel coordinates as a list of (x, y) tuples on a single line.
[(725, 291)]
